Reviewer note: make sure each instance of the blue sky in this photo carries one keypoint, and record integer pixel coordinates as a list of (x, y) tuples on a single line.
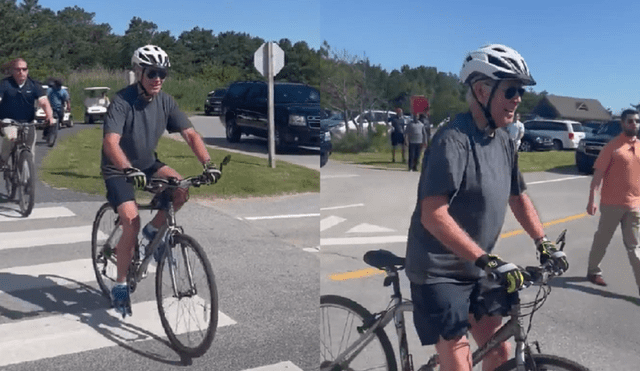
[(584, 49)]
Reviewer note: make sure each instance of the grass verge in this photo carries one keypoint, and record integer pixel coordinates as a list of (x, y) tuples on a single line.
[(528, 161), (74, 163)]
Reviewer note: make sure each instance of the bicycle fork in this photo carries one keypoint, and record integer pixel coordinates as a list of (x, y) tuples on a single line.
[(171, 260)]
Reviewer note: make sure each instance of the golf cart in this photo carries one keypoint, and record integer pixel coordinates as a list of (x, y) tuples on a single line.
[(95, 103), (67, 120)]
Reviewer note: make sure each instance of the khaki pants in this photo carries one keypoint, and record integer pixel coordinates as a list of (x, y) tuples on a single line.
[(610, 217), (7, 145)]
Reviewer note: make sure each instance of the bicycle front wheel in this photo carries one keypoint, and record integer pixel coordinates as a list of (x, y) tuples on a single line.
[(544, 362), (10, 182), (105, 235), (52, 136), (187, 296), (342, 323), (26, 183)]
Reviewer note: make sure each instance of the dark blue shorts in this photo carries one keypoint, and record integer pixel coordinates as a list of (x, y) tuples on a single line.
[(120, 191), (442, 309), (397, 138)]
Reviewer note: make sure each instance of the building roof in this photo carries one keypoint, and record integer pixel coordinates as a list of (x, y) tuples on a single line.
[(569, 108)]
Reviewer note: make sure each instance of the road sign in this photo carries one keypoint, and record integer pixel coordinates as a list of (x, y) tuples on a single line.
[(269, 60), (261, 58)]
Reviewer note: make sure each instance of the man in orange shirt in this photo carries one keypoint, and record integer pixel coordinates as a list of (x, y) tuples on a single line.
[(617, 175)]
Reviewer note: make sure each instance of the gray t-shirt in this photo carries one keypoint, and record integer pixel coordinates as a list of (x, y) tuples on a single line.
[(416, 132), (477, 173), (141, 124)]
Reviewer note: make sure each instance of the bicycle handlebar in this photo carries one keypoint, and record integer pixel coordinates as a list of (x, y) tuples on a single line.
[(157, 184), (8, 121)]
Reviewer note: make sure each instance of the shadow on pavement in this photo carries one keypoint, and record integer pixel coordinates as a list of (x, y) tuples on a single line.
[(575, 283)]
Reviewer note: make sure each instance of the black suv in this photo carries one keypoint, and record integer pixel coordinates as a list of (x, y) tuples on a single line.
[(589, 148), (296, 113), (212, 103)]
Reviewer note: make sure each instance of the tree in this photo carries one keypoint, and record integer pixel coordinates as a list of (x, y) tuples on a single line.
[(339, 85)]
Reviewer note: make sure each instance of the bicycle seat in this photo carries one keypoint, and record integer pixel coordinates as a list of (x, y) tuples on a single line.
[(383, 259)]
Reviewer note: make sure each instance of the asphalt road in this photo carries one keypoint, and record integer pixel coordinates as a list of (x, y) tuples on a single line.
[(264, 253), (365, 209)]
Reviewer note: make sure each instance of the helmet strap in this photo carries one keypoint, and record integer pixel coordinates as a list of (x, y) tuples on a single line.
[(145, 94), (491, 124)]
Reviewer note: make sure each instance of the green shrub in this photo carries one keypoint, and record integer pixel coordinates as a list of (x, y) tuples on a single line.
[(375, 141)]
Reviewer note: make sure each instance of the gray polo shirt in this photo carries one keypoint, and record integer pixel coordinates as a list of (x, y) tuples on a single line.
[(141, 124), (477, 173)]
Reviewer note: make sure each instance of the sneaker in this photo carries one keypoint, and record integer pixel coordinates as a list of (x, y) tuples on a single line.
[(596, 279), (120, 299), (149, 232)]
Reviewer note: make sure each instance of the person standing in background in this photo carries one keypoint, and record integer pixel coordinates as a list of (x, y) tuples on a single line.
[(516, 131), (397, 135), (416, 136)]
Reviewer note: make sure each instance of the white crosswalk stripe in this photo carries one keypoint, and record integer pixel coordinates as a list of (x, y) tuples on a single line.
[(26, 291), (41, 338), (332, 221), (50, 236)]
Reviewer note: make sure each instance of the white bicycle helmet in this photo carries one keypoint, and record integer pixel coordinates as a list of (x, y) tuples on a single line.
[(150, 56), (498, 62)]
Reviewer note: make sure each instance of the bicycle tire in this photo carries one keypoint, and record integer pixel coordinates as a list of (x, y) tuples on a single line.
[(26, 187), (183, 255), (51, 137), (544, 362), (106, 223), (10, 178), (347, 315)]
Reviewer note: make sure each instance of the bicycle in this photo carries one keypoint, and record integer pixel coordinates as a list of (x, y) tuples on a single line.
[(354, 339), (185, 283), (19, 172)]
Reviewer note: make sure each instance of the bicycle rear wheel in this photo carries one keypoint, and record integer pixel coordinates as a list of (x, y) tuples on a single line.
[(187, 296), (341, 324), (105, 235), (26, 183), (544, 362)]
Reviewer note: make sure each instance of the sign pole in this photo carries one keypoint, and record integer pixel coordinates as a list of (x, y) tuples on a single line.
[(272, 152)]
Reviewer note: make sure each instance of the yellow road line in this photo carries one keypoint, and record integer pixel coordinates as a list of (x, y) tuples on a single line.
[(373, 271)]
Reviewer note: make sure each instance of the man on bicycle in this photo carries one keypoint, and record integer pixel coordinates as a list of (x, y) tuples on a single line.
[(135, 121), (59, 99), (18, 94), (470, 176)]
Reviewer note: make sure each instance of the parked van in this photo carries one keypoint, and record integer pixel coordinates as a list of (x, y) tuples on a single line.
[(566, 134)]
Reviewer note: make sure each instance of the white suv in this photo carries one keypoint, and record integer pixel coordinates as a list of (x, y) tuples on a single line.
[(372, 117), (566, 134)]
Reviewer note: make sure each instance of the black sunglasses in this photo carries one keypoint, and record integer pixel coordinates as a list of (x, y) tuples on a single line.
[(152, 74), (511, 92)]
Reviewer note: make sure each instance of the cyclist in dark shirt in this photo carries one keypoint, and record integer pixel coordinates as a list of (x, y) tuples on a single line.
[(469, 177), (135, 121), (18, 96)]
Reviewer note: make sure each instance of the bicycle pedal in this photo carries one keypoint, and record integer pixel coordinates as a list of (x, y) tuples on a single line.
[(124, 309)]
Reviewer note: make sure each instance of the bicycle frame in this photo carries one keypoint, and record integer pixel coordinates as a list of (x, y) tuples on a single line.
[(512, 328), (164, 234)]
